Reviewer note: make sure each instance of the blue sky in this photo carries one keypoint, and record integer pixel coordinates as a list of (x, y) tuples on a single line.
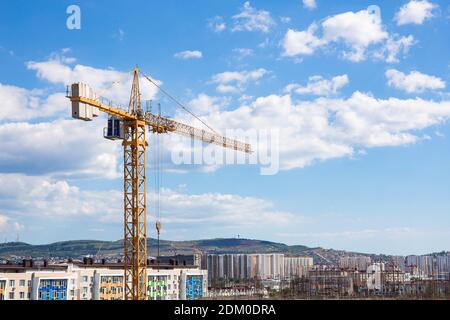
[(361, 102)]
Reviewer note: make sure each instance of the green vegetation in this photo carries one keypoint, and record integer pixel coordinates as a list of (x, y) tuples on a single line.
[(79, 248)]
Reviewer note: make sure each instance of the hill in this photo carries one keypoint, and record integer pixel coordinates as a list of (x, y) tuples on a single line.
[(80, 248), (114, 249)]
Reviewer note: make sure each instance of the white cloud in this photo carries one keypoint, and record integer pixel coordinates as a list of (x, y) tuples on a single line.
[(414, 82), (243, 52), (221, 209), (393, 47), (8, 226), (301, 42), (319, 86), (112, 84), (325, 128), (22, 104), (415, 12), (310, 4), (216, 24), (251, 19), (355, 30), (185, 55), (45, 198), (204, 104), (225, 88), (55, 146), (60, 147), (311, 131), (234, 81), (41, 196)]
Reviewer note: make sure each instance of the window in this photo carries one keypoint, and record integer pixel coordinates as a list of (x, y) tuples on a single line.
[(29, 295), (11, 296), (72, 292), (22, 295), (85, 290), (85, 278), (72, 281), (22, 283), (29, 283), (12, 283)]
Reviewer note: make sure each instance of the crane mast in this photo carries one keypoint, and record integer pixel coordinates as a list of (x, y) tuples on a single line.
[(135, 198), (133, 128)]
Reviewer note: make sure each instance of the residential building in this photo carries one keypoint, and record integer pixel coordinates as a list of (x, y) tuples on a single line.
[(97, 281)]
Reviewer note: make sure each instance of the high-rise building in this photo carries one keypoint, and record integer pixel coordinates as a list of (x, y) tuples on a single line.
[(296, 267), (359, 263), (429, 265), (270, 266)]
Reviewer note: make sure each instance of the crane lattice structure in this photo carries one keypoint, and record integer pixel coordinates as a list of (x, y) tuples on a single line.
[(130, 127)]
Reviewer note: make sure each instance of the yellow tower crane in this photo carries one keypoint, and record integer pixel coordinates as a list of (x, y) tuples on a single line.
[(130, 127)]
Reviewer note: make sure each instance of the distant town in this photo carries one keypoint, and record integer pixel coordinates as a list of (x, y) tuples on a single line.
[(219, 269)]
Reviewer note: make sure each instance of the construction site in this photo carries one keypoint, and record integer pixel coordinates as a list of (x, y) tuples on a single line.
[(179, 154)]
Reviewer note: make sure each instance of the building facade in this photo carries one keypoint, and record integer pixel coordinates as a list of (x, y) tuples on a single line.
[(296, 267), (72, 281), (359, 263), (271, 266)]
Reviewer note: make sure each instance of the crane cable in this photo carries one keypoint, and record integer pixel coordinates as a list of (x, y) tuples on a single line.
[(176, 101), (158, 183)]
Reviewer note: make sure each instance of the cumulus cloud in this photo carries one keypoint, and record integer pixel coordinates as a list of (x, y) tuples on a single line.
[(23, 104), (355, 31), (309, 4), (310, 131), (324, 128), (185, 55), (110, 83), (221, 209), (319, 86), (204, 104), (415, 12), (301, 42), (414, 82), (251, 19), (235, 81), (59, 147), (45, 198)]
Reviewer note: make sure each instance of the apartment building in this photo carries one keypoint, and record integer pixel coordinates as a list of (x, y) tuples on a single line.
[(359, 263), (97, 281), (429, 266), (271, 266), (296, 267)]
